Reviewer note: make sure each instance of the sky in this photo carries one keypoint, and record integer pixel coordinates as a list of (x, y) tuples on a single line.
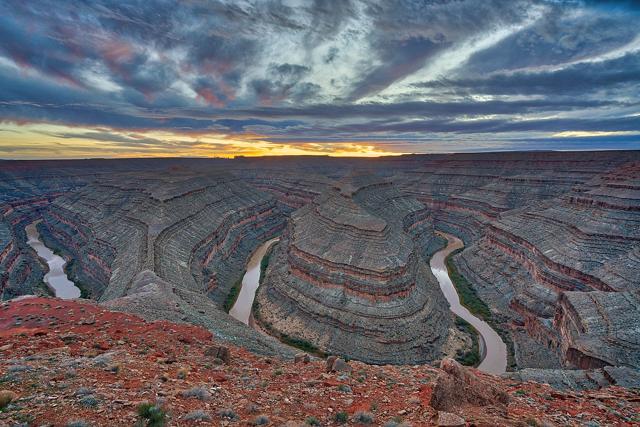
[(217, 78)]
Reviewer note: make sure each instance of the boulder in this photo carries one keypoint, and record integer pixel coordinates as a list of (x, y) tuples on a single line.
[(339, 365), (218, 352), (6, 397), (330, 361), (458, 386), (302, 358)]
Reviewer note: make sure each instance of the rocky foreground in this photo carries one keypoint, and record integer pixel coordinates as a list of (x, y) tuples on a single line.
[(76, 363)]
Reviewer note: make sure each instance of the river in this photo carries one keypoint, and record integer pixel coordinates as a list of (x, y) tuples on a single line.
[(56, 278), (241, 310), (492, 349)]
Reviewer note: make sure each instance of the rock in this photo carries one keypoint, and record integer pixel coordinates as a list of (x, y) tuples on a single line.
[(69, 338), (330, 361), (218, 352), (339, 365), (6, 397), (361, 239), (457, 386), (302, 358), (447, 419)]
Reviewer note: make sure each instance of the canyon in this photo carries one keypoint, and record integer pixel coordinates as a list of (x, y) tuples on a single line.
[(551, 248)]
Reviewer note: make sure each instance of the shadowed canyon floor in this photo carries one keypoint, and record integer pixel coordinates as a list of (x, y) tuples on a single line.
[(551, 255)]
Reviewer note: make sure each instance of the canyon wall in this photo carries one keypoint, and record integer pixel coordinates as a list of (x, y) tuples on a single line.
[(350, 277), (552, 244)]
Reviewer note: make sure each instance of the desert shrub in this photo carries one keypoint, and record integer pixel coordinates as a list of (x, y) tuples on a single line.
[(197, 392), (395, 422), (363, 417), (151, 415), (78, 423), (83, 391), (312, 421), (228, 413), (89, 401), (197, 415), (341, 417), (261, 420)]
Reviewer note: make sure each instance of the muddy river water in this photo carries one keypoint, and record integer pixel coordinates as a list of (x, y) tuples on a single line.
[(241, 310), (56, 278), (493, 350)]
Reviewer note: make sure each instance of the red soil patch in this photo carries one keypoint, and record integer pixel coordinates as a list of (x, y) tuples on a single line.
[(52, 352)]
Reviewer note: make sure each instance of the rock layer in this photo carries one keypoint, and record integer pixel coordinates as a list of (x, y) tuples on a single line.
[(349, 276), (567, 270), (552, 242)]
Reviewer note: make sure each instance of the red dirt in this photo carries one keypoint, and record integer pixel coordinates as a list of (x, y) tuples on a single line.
[(140, 361)]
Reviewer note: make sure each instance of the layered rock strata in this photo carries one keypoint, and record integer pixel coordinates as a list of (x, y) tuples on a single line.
[(195, 231), (567, 270), (349, 276)]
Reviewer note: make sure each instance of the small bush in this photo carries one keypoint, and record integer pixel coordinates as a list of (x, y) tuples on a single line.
[(228, 413), (102, 360), (261, 420), (363, 417), (312, 421), (344, 388), (341, 417), (197, 415), (89, 401), (197, 392), (78, 423), (151, 415)]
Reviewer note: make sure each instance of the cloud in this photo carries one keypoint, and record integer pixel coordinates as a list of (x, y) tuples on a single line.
[(323, 71)]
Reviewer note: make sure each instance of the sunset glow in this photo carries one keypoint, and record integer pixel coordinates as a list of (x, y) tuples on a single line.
[(350, 78)]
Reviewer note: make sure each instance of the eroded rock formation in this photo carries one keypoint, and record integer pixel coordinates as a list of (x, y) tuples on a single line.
[(349, 276), (552, 243), (568, 270)]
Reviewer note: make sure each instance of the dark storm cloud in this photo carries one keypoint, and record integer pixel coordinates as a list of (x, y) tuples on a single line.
[(498, 126), (579, 78), (322, 69), (555, 39)]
